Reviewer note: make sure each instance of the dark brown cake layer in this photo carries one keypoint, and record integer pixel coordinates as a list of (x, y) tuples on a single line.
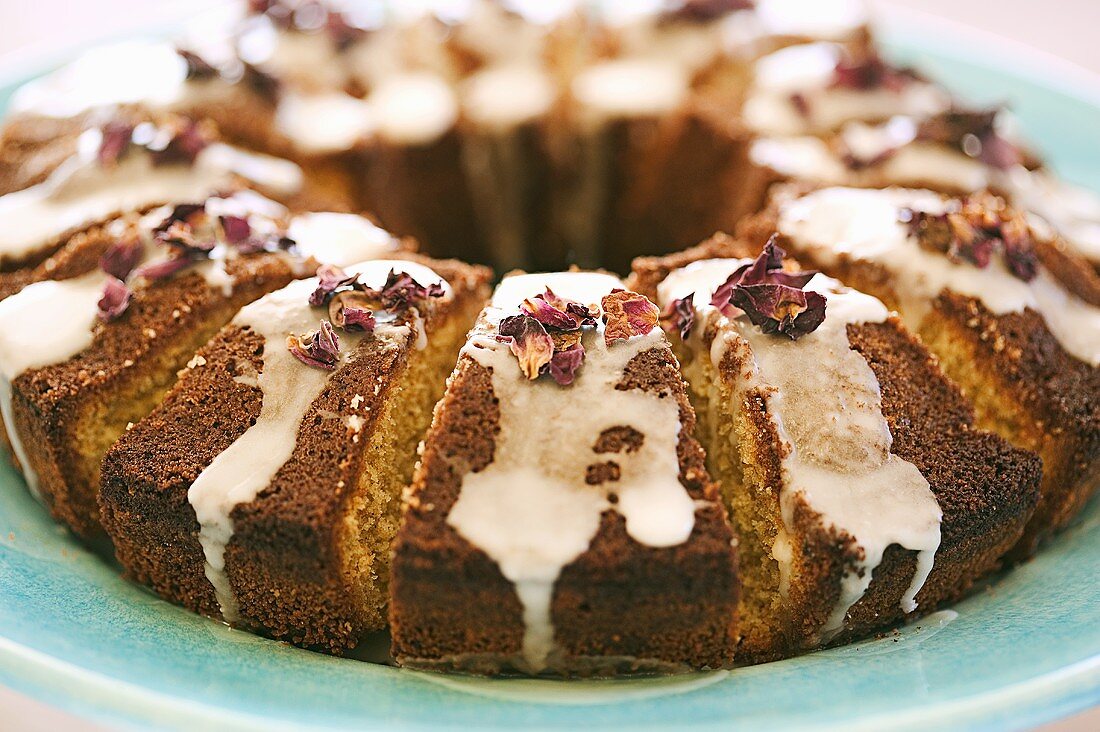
[(620, 607), (287, 560)]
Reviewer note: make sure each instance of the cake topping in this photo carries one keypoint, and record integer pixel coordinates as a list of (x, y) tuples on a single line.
[(679, 316), (179, 140), (973, 230), (122, 256), (975, 134), (626, 315), (703, 11), (319, 348), (115, 300), (773, 299), (529, 342), (198, 68), (870, 71), (351, 302), (557, 313)]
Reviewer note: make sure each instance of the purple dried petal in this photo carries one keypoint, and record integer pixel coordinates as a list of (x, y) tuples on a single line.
[(351, 311), (781, 309), (558, 313), (627, 314), (180, 213), (401, 291), (115, 299), (121, 257), (704, 11), (564, 364), (163, 269), (974, 133), (198, 68), (182, 146), (871, 72), (530, 343), (114, 143), (680, 316), (767, 268), (357, 319), (329, 279), (235, 228), (320, 349)]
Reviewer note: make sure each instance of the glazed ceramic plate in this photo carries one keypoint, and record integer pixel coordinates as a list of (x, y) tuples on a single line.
[(1023, 650)]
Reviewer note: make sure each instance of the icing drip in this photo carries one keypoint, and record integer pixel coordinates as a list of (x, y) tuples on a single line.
[(288, 387), (830, 417), (808, 70), (324, 122), (339, 239), (863, 225), (531, 510), (80, 192)]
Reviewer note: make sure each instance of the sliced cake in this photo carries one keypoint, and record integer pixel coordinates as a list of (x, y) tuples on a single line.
[(265, 489), (860, 489), (94, 346), (561, 520), (1013, 317)]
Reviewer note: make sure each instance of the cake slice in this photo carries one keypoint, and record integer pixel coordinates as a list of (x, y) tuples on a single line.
[(561, 520), (1012, 316), (93, 344), (135, 164), (859, 487), (265, 489)]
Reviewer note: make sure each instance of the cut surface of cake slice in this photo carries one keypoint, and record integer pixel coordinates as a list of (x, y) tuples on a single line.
[(861, 492), (1012, 316), (561, 519), (87, 353), (265, 489)]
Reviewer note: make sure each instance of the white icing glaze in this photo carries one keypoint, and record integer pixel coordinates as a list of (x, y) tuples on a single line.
[(827, 20), (1073, 211), (414, 108), (502, 97), (289, 387), (340, 239), (636, 87), (808, 70), (830, 416), (530, 510), (323, 122), (121, 73), (911, 163), (79, 192), (864, 225)]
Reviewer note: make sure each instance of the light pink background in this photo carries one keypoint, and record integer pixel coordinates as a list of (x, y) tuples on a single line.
[(35, 30)]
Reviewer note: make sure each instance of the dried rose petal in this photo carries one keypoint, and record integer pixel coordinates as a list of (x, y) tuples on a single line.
[(351, 311), (870, 72), (773, 300), (558, 313), (198, 68), (320, 349), (974, 133), (627, 314), (330, 278), (801, 104), (235, 228), (781, 309), (530, 343), (115, 299), (180, 213), (680, 316), (121, 257), (564, 364), (401, 291), (181, 145), (115, 142), (704, 11)]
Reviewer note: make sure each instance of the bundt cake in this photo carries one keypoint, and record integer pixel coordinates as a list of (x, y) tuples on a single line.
[(1013, 317), (266, 488), (208, 356), (561, 518), (89, 352), (860, 490)]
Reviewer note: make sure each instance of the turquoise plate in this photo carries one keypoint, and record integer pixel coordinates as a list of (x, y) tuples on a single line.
[(1024, 650)]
